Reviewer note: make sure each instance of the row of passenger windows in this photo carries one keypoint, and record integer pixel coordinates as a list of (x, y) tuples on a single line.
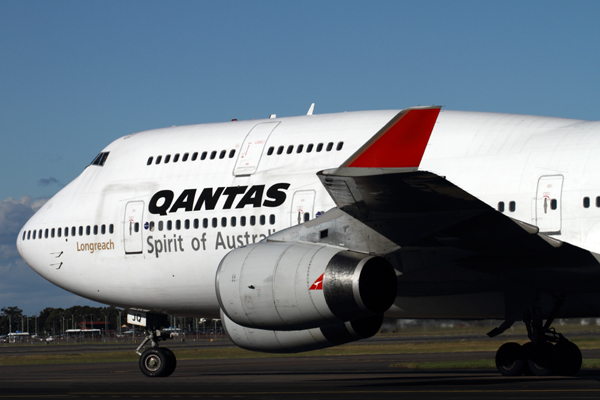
[(309, 148), (223, 153), (74, 231), (214, 222), (186, 156), (586, 202), (512, 206)]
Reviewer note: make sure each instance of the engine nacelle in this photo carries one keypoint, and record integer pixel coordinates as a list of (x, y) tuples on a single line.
[(304, 340), (284, 286)]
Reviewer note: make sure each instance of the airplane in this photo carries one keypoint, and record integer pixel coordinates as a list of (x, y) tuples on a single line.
[(304, 232)]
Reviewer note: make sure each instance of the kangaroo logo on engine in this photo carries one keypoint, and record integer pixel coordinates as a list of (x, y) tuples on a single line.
[(162, 201)]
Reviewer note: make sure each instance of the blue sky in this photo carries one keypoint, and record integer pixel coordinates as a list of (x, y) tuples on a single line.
[(76, 75)]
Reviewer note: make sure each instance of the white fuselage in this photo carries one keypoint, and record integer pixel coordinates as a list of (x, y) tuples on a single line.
[(168, 262)]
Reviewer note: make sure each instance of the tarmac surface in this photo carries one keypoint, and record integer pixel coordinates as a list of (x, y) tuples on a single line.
[(326, 377)]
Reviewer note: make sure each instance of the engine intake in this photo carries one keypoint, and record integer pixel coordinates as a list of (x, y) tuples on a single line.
[(295, 286)]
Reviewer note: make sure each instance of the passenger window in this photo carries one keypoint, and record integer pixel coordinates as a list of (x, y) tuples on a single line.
[(223, 154), (270, 151), (136, 227), (66, 231), (95, 229), (339, 146), (233, 221), (185, 157), (272, 219), (187, 224), (306, 217), (279, 150), (28, 235), (111, 229), (52, 232), (167, 158), (243, 221), (598, 201), (329, 146), (512, 206), (319, 147), (309, 148), (553, 204), (203, 156), (40, 234), (223, 222), (213, 154), (158, 159), (73, 231), (194, 156), (262, 219), (151, 226), (586, 202), (232, 153), (150, 160), (169, 225), (103, 228), (501, 206), (34, 234), (178, 224), (160, 225), (299, 149), (252, 220), (196, 223), (88, 230), (176, 157), (205, 223), (81, 231), (215, 223), (290, 149), (46, 234)]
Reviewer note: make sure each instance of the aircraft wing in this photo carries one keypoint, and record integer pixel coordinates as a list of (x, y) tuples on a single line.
[(413, 208)]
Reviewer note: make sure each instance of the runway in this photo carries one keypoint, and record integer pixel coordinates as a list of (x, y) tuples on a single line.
[(327, 377)]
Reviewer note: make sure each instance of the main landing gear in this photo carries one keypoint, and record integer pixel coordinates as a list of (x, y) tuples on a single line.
[(156, 361), (548, 353)]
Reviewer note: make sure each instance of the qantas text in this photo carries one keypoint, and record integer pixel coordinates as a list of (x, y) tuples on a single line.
[(162, 201)]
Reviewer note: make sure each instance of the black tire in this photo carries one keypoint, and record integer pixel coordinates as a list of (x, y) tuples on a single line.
[(154, 362), (510, 359), (171, 362), (570, 358), (543, 359)]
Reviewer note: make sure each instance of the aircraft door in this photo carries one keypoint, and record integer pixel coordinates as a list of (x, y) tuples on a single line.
[(303, 203), (132, 227), (548, 208), (252, 148)]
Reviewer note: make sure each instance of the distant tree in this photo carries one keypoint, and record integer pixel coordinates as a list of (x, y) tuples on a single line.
[(10, 314)]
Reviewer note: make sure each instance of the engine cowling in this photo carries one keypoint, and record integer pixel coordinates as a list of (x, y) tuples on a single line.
[(283, 286), (302, 340)]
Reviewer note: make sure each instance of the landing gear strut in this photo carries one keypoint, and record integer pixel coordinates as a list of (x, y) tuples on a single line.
[(548, 353)]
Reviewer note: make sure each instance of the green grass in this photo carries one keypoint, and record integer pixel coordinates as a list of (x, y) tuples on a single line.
[(440, 346)]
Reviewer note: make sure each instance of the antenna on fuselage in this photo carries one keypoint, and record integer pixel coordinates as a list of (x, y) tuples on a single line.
[(311, 109)]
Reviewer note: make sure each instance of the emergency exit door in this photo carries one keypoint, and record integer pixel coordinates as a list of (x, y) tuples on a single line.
[(302, 207), (548, 204), (252, 148), (132, 228)]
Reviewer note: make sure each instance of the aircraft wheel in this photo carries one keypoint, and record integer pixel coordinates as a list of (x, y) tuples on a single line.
[(543, 359), (154, 362), (570, 358), (171, 362), (511, 359)]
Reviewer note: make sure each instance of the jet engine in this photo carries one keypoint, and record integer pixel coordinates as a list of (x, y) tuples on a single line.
[(283, 286), (302, 340)]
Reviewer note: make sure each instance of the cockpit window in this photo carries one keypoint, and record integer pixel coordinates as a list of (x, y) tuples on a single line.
[(100, 159)]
